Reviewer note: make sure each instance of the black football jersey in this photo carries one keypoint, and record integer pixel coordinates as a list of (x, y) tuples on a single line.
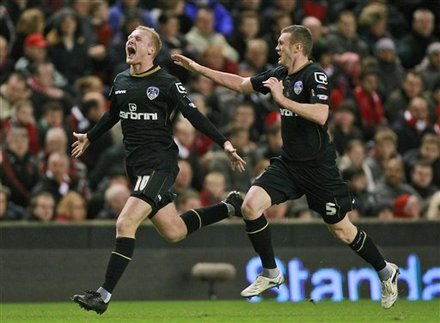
[(146, 105), (303, 140)]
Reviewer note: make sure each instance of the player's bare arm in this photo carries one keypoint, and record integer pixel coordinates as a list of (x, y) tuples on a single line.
[(231, 81), (80, 145), (315, 112)]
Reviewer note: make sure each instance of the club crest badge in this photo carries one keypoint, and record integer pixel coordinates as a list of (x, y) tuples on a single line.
[(298, 87), (152, 92)]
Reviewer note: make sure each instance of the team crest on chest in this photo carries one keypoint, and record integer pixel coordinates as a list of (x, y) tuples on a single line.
[(298, 87), (152, 92)]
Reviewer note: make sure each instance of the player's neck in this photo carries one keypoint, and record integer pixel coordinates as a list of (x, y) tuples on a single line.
[(137, 69), (298, 64)]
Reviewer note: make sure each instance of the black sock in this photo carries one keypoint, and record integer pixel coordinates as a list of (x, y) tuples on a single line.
[(195, 219), (259, 233), (119, 260), (364, 246)]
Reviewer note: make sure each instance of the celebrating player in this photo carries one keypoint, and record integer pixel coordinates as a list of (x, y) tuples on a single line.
[(307, 161), (146, 100)]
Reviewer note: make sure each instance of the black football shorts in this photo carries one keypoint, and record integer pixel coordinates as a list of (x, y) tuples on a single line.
[(152, 186), (325, 190)]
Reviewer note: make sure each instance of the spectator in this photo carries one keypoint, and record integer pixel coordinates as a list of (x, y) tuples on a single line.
[(422, 34), (393, 183), (175, 8), (256, 57), (42, 207), (184, 177), (354, 157), (67, 44), (115, 197), (14, 89), (56, 142), (413, 125), (35, 52), (121, 8), (398, 100), (219, 162), (105, 165), (273, 141), (248, 28), (30, 21), (44, 90), (291, 8), (244, 117), (317, 30), (56, 179), (71, 208), (407, 206), (278, 20), (188, 200), (184, 137), (358, 184), (9, 210), (421, 180), (433, 212), (342, 126), (83, 118), (429, 68), (429, 150), (53, 117), (373, 21), (173, 42), (214, 189), (202, 35), (385, 148), (389, 68), (371, 113), (23, 116), (6, 62), (344, 37), (19, 169), (222, 17)]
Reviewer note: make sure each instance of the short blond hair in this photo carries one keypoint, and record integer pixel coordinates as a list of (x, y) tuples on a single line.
[(155, 38)]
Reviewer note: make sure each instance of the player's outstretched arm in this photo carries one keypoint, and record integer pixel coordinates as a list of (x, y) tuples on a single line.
[(237, 163), (231, 81), (80, 145)]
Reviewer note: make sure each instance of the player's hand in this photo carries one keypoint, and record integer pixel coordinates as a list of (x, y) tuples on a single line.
[(80, 145), (185, 62), (237, 163), (276, 88)]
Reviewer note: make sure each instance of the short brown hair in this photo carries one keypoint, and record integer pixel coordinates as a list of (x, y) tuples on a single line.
[(300, 34), (155, 38)]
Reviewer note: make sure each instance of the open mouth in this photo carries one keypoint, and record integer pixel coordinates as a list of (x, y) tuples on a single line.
[(131, 52)]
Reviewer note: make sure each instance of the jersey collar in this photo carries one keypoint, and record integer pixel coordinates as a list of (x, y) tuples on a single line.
[(152, 70)]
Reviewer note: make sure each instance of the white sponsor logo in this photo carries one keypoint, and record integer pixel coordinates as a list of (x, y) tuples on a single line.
[(152, 92), (322, 96), (287, 113), (321, 78), (133, 115), (120, 91), (180, 88), (298, 87)]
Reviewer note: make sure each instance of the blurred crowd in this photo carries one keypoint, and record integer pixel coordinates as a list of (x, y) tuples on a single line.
[(58, 59)]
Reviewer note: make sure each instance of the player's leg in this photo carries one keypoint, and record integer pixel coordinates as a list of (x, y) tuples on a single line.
[(329, 195), (258, 230), (175, 228), (133, 214), (363, 245)]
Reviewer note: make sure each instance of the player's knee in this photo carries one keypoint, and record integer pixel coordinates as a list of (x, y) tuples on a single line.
[(125, 227), (249, 211), (172, 235)]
